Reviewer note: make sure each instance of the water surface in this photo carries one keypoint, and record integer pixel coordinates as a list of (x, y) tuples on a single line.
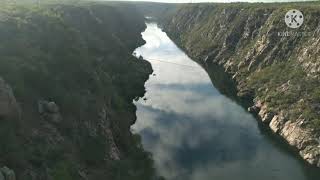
[(196, 133)]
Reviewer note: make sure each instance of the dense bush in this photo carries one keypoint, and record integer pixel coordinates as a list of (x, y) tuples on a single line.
[(80, 57)]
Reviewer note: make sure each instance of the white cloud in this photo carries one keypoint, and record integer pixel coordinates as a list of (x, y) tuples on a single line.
[(194, 132)]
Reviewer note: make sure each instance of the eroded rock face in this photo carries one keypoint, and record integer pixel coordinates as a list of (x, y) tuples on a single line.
[(293, 132), (8, 103), (303, 138), (114, 152), (265, 115), (253, 52), (275, 124)]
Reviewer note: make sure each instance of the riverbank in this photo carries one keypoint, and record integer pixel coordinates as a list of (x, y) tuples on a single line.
[(280, 74), (194, 130)]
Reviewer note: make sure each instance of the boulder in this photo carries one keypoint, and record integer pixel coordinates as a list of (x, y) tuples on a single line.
[(47, 107), (8, 173), (52, 107), (49, 111)]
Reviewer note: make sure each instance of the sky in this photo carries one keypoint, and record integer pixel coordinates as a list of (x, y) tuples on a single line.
[(195, 1)]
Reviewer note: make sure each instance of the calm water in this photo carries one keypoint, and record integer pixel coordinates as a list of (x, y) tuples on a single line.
[(196, 133)]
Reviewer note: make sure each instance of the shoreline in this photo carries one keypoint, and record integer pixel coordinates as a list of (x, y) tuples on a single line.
[(302, 139)]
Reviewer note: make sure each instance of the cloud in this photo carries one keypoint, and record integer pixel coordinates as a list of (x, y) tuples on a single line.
[(194, 132)]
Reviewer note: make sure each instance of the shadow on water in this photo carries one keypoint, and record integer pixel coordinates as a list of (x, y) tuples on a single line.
[(198, 129), (226, 86), (223, 82)]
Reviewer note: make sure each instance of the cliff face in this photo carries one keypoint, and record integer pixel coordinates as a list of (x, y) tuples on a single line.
[(67, 83), (277, 67)]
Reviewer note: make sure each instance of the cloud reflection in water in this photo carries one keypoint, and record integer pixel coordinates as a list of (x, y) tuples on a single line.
[(194, 132)]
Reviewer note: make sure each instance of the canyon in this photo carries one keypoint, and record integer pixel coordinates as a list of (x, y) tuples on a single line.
[(279, 74), (67, 83)]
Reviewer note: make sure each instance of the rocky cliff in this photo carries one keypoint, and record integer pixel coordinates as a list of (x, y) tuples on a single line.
[(67, 83), (276, 67)]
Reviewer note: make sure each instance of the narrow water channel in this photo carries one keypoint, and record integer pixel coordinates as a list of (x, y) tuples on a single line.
[(196, 133)]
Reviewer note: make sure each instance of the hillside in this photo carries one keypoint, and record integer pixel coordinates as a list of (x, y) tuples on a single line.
[(67, 81), (278, 73)]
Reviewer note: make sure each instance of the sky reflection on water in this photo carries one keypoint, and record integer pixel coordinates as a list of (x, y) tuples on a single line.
[(196, 133)]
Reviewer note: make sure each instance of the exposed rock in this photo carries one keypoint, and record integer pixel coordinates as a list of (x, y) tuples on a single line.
[(47, 107), (256, 107), (114, 152), (246, 49), (297, 136), (49, 111), (52, 107), (253, 109), (311, 155), (262, 111), (267, 117), (284, 87), (8, 103), (1, 176), (293, 132), (275, 124), (8, 173)]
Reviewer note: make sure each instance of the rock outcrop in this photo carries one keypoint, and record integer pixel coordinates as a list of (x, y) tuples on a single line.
[(7, 174), (8, 103), (105, 125), (49, 111), (294, 132), (276, 66)]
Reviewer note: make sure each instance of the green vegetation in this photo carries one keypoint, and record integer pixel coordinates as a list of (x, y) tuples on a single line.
[(62, 171), (287, 87), (243, 38), (79, 56)]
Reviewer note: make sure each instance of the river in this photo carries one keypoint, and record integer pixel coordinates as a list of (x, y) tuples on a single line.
[(194, 132)]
